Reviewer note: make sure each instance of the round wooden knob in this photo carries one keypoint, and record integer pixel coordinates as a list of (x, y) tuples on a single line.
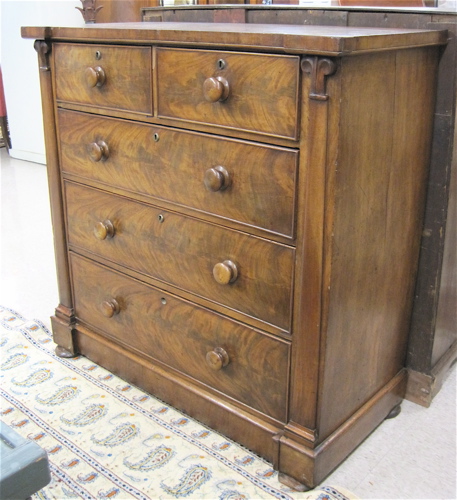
[(104, 230), (225, 272), (216, 89), (110, 308), (217, 179), (95, 77), (99, 151), (217, 358)]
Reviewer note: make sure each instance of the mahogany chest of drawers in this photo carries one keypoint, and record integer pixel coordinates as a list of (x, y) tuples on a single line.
[(237, 215)]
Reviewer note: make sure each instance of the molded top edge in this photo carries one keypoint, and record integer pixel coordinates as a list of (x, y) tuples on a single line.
[(328, 40)]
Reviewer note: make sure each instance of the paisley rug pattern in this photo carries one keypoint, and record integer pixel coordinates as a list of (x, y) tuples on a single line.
[(108, 439)]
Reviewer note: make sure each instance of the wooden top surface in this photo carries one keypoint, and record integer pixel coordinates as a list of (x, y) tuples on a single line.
[(325, 40)]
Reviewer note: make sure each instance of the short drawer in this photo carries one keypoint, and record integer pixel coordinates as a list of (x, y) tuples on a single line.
[(241, 181), (226, 355), (112, 77), (249, 274), (243, 91)]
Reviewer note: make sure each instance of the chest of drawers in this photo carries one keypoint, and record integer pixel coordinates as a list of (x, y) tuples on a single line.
[(237, 214)]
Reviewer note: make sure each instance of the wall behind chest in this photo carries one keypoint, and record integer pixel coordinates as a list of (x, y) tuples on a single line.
[(20, 70)]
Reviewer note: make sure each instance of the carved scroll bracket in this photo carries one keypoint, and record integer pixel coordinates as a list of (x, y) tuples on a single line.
[(319, 68), (43, 48)]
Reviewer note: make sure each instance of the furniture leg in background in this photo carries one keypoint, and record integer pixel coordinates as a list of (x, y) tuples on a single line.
[(5, 135)]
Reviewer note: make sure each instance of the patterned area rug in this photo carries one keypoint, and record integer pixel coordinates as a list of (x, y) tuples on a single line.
[(108, 439)]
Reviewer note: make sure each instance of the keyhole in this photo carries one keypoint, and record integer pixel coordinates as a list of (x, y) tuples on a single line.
[(221, 64), (98, 55), (160, 218)]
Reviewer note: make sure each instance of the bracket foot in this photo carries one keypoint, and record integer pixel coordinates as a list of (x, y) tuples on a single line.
[(394, 412), (290, 482), (64, 353)]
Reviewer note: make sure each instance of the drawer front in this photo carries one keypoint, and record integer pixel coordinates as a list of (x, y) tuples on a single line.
[(245, 182), (113, 77), (234, 269), (252, 92), (181, 335)]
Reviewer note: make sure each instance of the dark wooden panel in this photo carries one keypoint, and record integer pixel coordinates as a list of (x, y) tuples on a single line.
[(184, 251), (388, 19), (447, 74), (191, 16), (297, 16), (446, 320), (230, 16), (429, 340), (423, 322)]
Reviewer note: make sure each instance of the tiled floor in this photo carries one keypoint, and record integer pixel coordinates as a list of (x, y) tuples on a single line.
[(411, 456)]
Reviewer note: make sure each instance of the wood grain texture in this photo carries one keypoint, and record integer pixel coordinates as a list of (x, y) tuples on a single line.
[(183, 251), (262, 95), (152, 323), (424, 332), (128, 71), (428, 340), (317, 142), (446, 321), (62, 321), (54, 174), (172, 166), (376, 224)]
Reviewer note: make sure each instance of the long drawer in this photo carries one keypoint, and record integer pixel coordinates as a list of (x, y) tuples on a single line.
[(101, 76), (233, 359), (252, 92), (249, 274), (241, 181)]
